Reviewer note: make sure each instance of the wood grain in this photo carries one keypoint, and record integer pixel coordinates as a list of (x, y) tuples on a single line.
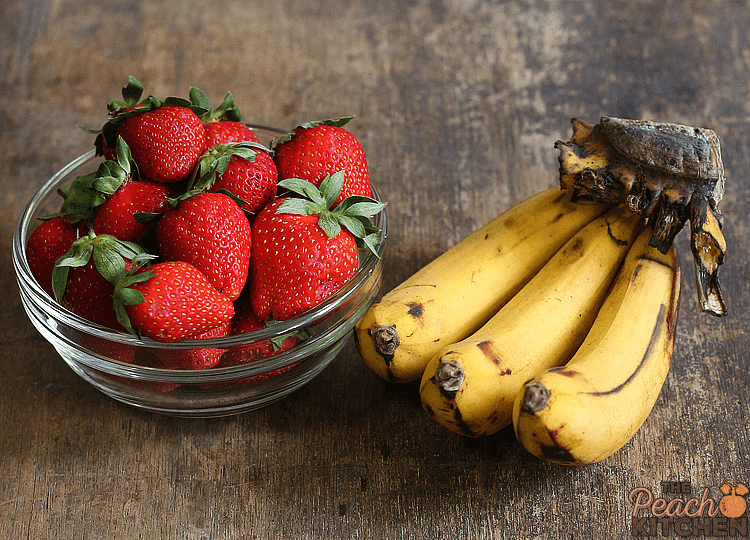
[(458, 105)]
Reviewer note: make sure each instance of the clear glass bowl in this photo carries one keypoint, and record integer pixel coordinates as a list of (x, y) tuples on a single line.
[(88, 348)]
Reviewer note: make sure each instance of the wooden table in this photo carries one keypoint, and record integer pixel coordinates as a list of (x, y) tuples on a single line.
[(458, 105)]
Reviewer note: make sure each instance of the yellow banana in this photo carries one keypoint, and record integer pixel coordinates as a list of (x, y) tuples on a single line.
[(585, 411), (458, 292), (470, 386)]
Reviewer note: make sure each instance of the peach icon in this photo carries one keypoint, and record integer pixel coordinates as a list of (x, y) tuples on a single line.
[(733, 504)]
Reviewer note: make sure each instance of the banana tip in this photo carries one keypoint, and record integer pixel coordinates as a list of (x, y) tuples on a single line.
[(449, 376), (535, 396), (385, 338)]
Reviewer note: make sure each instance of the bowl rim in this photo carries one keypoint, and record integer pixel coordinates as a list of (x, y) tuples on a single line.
[(29, 286)]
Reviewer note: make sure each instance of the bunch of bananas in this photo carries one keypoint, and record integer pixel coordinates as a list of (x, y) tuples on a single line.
[(558, 316), (555, 316)]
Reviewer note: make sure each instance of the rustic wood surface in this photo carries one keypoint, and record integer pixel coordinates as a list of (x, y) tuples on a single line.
[(458, 105)]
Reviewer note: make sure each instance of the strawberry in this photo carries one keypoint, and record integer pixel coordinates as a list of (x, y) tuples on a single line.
[(303, 251), (209, 231), (131, 205), (170, 301), (244, 169), (166, 138), (83, 278), (166, 142), (127, 354), (244, 321), (227, 131), (316, 149), (199, 358), (119, 215), (47, 243)]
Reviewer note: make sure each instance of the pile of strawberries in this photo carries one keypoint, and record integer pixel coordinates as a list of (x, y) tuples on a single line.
[(190, 228)]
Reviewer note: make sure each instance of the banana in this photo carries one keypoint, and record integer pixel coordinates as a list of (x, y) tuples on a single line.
[(458, 292), (470, 386), (585, 411)]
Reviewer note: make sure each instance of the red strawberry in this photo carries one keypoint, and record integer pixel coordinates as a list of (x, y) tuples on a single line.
[(166, 142), (199, 358), (209, 231), (83, 278), (117, 215), (127, 206), (301, 253), (127, 354), (316, 149), (227, 131), (166, 138), (244, 321), (224, 124), (247, 381), (152, 386), (170, 301), (50, 241), (244, 169)]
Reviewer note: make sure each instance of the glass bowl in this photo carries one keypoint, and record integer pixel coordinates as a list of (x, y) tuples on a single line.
[(91, 350)]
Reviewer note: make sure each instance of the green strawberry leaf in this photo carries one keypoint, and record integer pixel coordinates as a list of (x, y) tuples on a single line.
[(353, 225), (331, 187), (126, 296), (78, 255), (126, 249), (124, 156), (353, 213), (335, 122), (303, 188), (220, 164), (371, 242), (106, 183), (301, 207), (131, 297), (199, 102), (216, 160), (330, 225), (227, 110), (131, 93), (277, 342), (363, 208), (60, 281), (109, 263), (81, 198)]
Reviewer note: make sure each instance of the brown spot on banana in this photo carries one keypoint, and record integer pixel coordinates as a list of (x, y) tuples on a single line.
[(489, 352), (565, 371), (460, 424), (649, 352), (616, 240), (416, 309), (557, 453)]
